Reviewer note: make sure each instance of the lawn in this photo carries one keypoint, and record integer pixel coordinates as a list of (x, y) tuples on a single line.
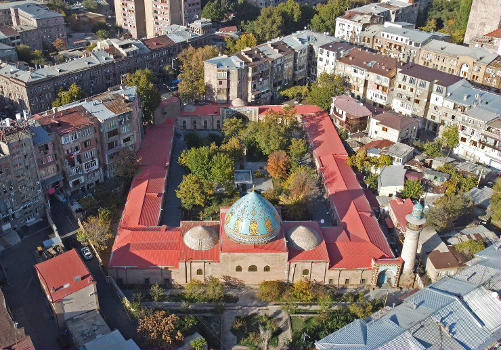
[(298, 323)]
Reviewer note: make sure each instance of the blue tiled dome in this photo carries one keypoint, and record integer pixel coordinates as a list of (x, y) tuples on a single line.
[(252, 220)]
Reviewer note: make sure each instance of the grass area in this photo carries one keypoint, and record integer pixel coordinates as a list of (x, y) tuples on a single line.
[(298, 323)]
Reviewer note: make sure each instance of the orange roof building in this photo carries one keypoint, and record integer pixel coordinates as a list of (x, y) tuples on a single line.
[(250, 242)]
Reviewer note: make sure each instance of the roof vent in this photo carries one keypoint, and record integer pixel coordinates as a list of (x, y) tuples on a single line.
[(66, 285), (465, 97), (77, 278)]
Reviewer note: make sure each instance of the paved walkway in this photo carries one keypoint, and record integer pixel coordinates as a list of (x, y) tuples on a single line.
[(172, 212)]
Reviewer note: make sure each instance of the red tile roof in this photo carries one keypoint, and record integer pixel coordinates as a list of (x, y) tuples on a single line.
[(208, 109), (146, 247), (158, 137), (400, 209), (58, 275), (228, 29), (158, 42), (495, 33), (372, 62), (358, 237), (380, 144)]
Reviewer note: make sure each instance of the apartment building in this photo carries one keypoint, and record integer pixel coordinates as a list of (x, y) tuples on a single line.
[(77, 139), (328, 55), (32, 22), (394, 127), (21, 198), (149, 18), (119, 116), (267, 68), (45, 152), (227, 78), (35, 89), (477, 113), (350, 25), (370, 76), (492, 74), (414, 85), (465, 62), (397, 41)]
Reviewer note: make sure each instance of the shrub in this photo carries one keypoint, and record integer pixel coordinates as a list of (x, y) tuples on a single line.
[(271, 290)]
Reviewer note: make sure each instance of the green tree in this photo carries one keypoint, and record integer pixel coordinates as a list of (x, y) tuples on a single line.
[(431, 25), (495, 203), (297, 92), (283, 19), (432, 149), (232, 127), (297, 149), (325, 18), (90, 5), (222, 169), (96, 229), (470, 247), (74, 93), (156, 292), (273, 133), (448, 209), (271, 290), (192, 86), (191, 192), (450, 137), (91, 46), (59, 6), (38, 58), (235, 45), (23, 52), (102, 34), (371, 182), (301, 184), (214, 10), (214, 289), (144, 80), (457, 182), (326, 86), (233, 148), (199, 344), (198, 161), (303, 291), (413, 189)]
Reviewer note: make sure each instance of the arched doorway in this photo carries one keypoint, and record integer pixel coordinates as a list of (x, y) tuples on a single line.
[(386, 278)]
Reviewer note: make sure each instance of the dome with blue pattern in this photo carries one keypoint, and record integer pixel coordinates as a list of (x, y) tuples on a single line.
[(252, 220)]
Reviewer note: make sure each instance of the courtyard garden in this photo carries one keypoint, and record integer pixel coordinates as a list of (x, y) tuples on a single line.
[(277, 141)]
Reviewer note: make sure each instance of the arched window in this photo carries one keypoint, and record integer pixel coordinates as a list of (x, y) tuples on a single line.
[(306, 272), (218, 124), (252, 268), (194, 124), (266, 268), (238, 268), (200, 272)]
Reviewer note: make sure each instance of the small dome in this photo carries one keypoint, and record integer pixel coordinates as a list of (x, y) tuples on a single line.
[(200, 238), (238, 102), (303, 238), (252, 220)]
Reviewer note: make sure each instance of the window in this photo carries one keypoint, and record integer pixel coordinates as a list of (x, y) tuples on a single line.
[(363, 281), (125, 140), (218, 124), (306, 272), (346, 281), (238, 268), (147, 281), (205, 124), (331, 281), (266, 268), (184, 124), (252, 268), (385, 128), (112, 133), (200, 272), (194, 124)]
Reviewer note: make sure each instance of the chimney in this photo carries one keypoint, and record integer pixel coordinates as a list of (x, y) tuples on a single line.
[(7, 121), (54, 110), (18, 118)]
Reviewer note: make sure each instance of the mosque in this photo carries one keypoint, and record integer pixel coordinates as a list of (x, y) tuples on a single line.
[(250, 242)]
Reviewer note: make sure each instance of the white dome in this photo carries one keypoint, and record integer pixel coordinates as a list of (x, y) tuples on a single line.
[(303, 238), (200, 238)]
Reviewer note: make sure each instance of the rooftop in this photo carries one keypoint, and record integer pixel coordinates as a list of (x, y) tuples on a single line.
[(158, 42), (459, 312), (400, 209), (495, 33), (415, 35), (113, 340), (395, 120), (86, 327), (65, 121), (428, 74), (337, 46), (11, 335), (227, 62), (372, 62), (63, 275), (392, 175), (32, 8), (400, 150), (351, 106), (450, 49)]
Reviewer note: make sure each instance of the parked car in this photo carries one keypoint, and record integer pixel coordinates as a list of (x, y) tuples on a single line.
[(86, 253)]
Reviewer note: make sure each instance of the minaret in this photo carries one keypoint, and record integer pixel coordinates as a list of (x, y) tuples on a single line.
[(415, 222)]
